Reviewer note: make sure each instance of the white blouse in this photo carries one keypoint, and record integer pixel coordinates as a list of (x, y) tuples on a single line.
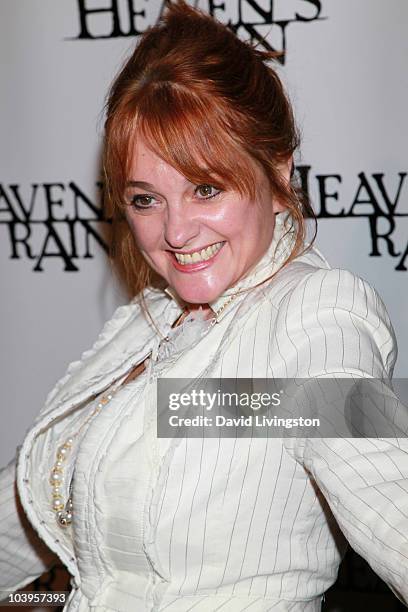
[(217, 523)]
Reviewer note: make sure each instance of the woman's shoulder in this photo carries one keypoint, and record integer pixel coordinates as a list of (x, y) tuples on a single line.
[(136, 312), (331, 311), (139, 315), (309, 281), (150, 301)]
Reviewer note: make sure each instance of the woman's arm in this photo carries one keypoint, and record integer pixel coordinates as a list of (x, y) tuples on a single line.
[(23, 556), (336, 325)]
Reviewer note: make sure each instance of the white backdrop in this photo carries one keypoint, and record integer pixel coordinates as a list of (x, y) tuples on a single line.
[(345, 68)]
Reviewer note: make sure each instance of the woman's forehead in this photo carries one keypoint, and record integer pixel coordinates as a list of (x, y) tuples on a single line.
[(146, 164)]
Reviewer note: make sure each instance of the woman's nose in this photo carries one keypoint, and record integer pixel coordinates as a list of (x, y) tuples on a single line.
[(180, 228)]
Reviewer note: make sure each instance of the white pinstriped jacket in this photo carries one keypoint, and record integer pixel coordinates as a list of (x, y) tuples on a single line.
[(215, 524)]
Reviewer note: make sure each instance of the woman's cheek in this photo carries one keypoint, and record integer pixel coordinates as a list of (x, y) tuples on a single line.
[(143, 233)]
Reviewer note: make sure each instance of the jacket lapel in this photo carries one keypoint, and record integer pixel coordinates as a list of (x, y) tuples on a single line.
[(126, 339)]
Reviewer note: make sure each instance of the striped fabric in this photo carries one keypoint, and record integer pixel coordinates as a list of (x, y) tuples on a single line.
[(218, 524), (23, 555)]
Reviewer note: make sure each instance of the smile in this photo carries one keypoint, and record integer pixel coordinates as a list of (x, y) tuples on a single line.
[(197, 256)]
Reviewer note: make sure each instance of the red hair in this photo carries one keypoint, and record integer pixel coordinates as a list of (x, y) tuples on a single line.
[(211, 106)]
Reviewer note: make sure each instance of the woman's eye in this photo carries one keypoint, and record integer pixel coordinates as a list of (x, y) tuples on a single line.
[(207, 191), (142, 201)]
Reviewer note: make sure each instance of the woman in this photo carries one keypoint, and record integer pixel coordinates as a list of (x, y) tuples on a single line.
[(198, 161)]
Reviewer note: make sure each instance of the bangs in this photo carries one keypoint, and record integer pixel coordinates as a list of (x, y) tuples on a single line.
[(195, 136)]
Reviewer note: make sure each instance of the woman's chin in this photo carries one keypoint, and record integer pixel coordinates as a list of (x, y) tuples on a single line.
[(198, 295)]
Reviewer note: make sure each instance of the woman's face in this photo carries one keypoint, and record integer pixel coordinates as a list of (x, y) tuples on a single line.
[(200, 239)]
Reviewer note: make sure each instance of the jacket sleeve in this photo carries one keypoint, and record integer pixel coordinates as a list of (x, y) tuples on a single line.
[(23, 556), (335, 325)]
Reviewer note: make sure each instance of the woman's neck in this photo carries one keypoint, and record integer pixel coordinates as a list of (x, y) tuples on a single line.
[(202, 310)]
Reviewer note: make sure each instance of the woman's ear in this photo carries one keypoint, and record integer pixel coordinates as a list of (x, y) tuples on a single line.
[(286, 170)]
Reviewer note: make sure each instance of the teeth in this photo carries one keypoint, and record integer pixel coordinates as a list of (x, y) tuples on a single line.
[(197, 256)]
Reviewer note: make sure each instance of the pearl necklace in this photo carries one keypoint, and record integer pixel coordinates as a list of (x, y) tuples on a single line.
[(64, 510)]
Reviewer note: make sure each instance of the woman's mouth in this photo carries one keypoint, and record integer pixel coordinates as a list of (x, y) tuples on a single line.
[(196, 260)]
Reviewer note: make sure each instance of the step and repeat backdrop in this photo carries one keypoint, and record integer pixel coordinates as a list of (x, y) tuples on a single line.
[(344, 65)]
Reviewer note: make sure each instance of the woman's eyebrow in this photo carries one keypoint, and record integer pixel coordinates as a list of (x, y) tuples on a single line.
[(141, 184), (149, 186)]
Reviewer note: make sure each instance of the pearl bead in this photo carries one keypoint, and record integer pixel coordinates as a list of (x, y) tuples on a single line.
[(55, 478), (62, 452), (58, 503)]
